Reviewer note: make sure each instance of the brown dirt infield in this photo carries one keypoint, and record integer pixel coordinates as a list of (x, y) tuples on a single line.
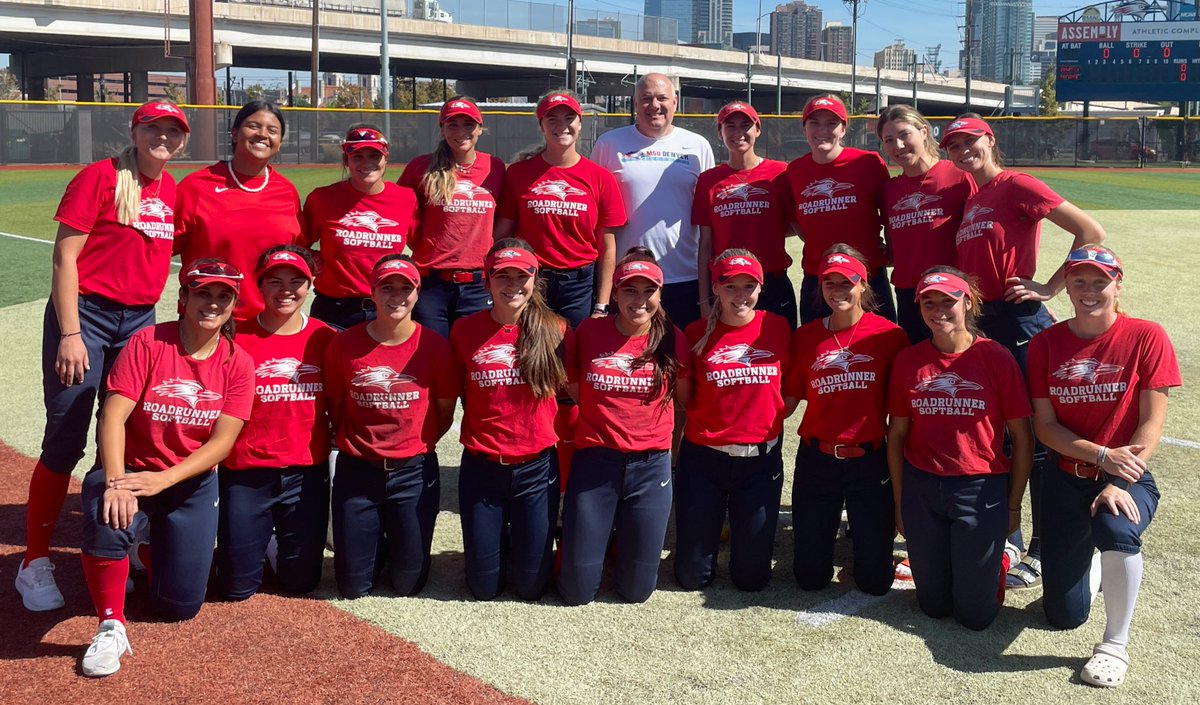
[(269, 648)]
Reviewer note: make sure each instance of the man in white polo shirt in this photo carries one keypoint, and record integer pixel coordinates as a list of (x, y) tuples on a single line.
[(656, 165)]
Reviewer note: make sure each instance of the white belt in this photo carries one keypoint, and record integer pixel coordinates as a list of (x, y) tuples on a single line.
[(746, 450)]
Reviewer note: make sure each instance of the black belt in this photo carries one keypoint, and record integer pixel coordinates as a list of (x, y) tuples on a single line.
[(568, 274), (364, 303)]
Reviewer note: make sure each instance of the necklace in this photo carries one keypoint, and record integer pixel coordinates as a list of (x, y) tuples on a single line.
[(853, 330), (233, 175), (465, 168)]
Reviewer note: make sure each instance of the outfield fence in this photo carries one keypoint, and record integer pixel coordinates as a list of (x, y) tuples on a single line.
[(74, 133)]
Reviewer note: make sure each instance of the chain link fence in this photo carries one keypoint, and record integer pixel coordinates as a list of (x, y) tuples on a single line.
[(62, 133)]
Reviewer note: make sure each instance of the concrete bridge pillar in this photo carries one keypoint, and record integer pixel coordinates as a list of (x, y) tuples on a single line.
[(139, 82), (85, 87)]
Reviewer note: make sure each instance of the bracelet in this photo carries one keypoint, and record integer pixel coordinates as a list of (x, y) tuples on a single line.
[(1101, 456), (600, 308), (68, 335)]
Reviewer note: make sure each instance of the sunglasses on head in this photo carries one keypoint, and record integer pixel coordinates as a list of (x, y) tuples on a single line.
[(215, 269), (1085, 254)]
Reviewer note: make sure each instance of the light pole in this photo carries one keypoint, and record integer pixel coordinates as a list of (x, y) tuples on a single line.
[(853, 52), (385, 78), (571, 45), (758, 30)]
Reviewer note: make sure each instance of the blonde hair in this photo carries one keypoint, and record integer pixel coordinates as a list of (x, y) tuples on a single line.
[(714, 313), (128, 196), (908, 115), (439, 181)]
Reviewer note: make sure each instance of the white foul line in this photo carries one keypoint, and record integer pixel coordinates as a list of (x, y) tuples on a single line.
[(851, 603), (1183, 443), (51, 242)]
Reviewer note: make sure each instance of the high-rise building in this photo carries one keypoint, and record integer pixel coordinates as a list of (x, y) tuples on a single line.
[(745, 41), (1003, 40), (796, 31), (836, 40), (708, 22), (608, 27), (1045, 47), (682, 11), (896, 57)]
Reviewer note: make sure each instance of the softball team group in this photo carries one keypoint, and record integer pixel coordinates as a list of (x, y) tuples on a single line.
[(623, 337)]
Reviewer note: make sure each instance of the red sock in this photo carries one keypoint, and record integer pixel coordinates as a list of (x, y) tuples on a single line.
[(564, 426), (47, 490), (106, 582), (1004, 566)]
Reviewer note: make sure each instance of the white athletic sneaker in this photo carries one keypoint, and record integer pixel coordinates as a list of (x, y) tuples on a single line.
[(35, 583), (103, 657)]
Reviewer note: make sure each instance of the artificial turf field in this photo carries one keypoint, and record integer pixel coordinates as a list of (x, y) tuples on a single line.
[(715, 646)]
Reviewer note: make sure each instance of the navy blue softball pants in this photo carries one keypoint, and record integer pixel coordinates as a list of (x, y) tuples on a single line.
[(711, 483), (181, 525), (610, 489), (373, 500), (290, 503)]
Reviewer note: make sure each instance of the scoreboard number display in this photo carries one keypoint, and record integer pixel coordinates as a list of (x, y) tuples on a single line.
[(1129, 50)]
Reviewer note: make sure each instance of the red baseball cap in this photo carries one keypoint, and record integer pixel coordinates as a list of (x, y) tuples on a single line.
[(845, 265), (971, 126), (945, 282), (735, 108), (826, 102), (511, 258), (215, 271), (553, 100), (725, 269), (459, 106), (364, 138), (159, 110), (283, 258), (638, 268), (1101, 258), (394, 267)]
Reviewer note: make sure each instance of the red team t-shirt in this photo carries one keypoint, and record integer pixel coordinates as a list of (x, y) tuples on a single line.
[(128, 264), (354, 230), (381, 397), (458, 234), (921, 215), (560, 212), (500, 416), (1001, 229), (737, 390), (844, 378), (745, 209), (958, 405), (838, 202), (289, 426), (178, 398), (614, 411), (215, 218), (1094, 384)]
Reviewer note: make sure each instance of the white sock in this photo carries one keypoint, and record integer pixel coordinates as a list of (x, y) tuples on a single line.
[(1094, 576), (1122, 575)]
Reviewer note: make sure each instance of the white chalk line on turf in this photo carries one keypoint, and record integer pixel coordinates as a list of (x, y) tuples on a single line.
[(851, 603), (49, 242), (1181, 442)]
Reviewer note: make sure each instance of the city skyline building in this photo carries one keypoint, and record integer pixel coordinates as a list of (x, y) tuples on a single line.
[(836, 40), (796, 31)]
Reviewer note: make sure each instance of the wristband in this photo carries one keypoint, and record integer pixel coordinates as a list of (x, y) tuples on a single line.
[(600, 308), (68, 335), (1101, 456)]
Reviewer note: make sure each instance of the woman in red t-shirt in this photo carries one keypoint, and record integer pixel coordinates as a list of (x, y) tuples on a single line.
[(111, 261), (568, 208), (1099, 383), (998, 243), (178, 395), (391, 391), (275, 482), (840, 366), (951, 398), (354, 222), (511, 373), (740, 204), (626, 372), (458, 188), (922, 207), (239, 207), (731, 455), (833, 196)]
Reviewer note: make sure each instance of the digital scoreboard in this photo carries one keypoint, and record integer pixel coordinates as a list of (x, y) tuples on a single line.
[(1129, 50)]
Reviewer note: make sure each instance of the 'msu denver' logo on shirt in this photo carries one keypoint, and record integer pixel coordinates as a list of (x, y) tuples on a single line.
[(380, 376), (841, 359), (740, 353), (914, 201), (740, 191), (187, 390), (286, 368), (366, 219), (825, 188), (559, 189), (949, 383), (502, 354), (1087, 368)]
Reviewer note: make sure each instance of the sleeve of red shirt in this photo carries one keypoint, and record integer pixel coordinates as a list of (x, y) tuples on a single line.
[(898, 388), (80, 204), (793, 376), (507, 206), (332, 380), (296, 210), (239, 389), (1037, 366), (1157, 365), (309, 226), (571, 352), (131, 369), (446, 383), (1014, 400), (783, 191), (683, 353), (414, 218), (612, 205), (410, 176), (185, 213), (702, 202), (897, 341), (1035, 199), (459, 352)]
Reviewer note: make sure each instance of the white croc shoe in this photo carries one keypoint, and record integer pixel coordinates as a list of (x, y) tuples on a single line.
[(35, 583), (103, 657)]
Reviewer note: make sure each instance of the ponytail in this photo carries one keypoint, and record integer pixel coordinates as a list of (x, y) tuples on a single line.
[(541, 334), (660, 343), (128, 196), (714, 314), (438, 181)]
